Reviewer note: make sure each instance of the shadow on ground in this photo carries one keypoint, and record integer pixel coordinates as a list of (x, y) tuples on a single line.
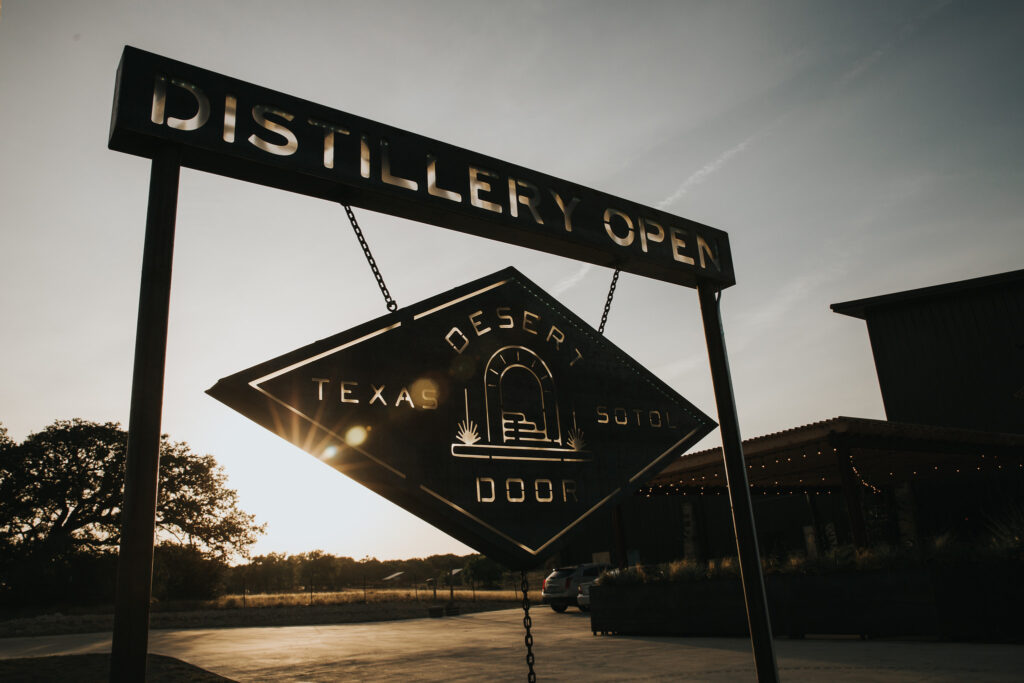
[(96, 669)]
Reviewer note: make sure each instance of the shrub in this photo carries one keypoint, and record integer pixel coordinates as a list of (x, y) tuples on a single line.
[(1006, 529), (1004, 545)]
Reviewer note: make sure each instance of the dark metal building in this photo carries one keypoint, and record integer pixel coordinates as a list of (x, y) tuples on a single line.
[(950, 355)]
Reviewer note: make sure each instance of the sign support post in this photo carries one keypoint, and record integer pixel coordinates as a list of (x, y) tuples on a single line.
[(142, 457), (754, 594)]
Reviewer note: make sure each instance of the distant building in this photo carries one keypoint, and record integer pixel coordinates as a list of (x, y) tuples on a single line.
[(949, 458)]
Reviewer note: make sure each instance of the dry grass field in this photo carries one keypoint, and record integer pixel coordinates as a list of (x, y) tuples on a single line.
[(274, 609), (359, 596)]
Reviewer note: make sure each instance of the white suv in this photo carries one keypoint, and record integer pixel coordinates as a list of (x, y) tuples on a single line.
[(561, 587)]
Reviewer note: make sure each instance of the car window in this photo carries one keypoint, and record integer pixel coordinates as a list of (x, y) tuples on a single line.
[(592, 571)]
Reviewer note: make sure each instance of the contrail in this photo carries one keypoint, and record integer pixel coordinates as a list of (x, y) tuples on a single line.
[(855, 71), (698, 176), (905, 32)]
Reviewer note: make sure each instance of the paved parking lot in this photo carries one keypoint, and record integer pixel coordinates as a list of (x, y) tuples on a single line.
[(490, 645)]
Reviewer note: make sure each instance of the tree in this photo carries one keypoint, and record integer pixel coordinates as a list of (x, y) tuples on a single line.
[(182, 572), (484, 571), (197, 508), (316, 569), (61, 496), (273, 573)]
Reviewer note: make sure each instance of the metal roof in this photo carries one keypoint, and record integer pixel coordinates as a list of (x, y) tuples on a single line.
[(859, 308), (882, 452)]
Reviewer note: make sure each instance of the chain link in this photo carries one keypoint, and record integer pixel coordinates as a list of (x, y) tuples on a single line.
[(608, 303), (391, 304), (528, 623)]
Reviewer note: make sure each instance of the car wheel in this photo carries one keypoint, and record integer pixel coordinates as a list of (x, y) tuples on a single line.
[(584, 608), (559, 607)]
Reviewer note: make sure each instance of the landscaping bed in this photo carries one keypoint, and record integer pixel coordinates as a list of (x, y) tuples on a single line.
[(963, 600)]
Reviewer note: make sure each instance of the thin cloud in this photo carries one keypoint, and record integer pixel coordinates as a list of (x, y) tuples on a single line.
[(863, 64), (571, 280), (791, 301), (678, 369)]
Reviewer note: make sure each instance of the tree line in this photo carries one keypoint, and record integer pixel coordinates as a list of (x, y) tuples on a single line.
[(319, 571), (60, 521)]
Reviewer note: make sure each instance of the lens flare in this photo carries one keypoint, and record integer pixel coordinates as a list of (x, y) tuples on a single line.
[(355, 436)]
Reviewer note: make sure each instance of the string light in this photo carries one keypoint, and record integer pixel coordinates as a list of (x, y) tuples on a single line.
[(860, 478), (696, 487)]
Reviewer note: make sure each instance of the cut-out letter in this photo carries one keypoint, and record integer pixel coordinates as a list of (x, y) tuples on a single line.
[(346, 389), (647, 236), (465, 340), (678, 244), (320, 387), (518, 497), (482, 497), (329, 131), (477, 184), (609, 213), (230, 108), (160, 103), (530, 201), (566, 210), (259, 115), (385, 170), (704, 249), (432, 189)]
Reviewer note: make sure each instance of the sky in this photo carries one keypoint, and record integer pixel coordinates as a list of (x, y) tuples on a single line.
[(848, 149)]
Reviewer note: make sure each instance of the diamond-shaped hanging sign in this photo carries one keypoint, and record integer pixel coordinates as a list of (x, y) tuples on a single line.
[(490, 411)]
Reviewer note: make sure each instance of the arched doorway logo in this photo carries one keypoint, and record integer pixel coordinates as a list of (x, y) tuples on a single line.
[(520, 399)]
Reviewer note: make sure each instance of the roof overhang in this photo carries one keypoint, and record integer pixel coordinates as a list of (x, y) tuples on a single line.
[(881, 453)]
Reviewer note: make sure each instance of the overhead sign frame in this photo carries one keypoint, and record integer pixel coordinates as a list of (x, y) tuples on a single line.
[(162, 111), (230, 127)]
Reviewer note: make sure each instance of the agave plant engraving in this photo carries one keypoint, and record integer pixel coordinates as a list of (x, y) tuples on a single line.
[(467, 432), (575, 440)]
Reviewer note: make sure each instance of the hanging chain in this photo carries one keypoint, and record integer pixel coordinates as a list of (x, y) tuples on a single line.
[(391, 304), (527, 623), (608, 303)]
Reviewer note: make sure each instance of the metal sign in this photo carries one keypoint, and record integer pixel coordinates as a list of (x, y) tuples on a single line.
[(233, 128), (490, 411), (177, 114)]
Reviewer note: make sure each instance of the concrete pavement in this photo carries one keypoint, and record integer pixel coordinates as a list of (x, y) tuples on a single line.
[(489, 645)]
